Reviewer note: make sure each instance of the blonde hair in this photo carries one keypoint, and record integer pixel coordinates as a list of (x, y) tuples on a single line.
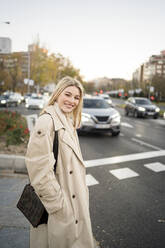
[(62, 84)]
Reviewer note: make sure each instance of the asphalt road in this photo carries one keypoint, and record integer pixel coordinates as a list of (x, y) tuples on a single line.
[(127, 187), (129, 212)]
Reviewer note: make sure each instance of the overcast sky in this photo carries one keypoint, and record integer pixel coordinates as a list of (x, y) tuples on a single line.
[(103, 38)]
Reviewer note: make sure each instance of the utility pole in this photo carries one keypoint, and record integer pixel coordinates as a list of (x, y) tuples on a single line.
[(28, 71)]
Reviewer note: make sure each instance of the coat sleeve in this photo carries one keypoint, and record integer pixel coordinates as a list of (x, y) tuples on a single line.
[(40, 165)]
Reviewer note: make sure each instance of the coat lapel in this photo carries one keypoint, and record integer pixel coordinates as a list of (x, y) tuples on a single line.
[(70, 142)]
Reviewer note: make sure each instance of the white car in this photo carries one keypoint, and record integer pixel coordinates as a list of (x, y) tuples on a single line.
[(16, 97), (35, 102), (99, 116)]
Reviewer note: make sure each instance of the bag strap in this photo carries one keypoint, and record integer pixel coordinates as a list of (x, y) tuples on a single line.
[(55, 146), (55, 149)]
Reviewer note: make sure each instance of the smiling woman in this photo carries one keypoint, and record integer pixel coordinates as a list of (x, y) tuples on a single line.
[(64, 193)]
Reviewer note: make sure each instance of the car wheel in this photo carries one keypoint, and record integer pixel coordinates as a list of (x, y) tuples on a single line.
[(136, 114), (156, 117), (115, 133)]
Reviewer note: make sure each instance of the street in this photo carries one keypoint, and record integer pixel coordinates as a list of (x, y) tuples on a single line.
[(128, 212), (125, 175)]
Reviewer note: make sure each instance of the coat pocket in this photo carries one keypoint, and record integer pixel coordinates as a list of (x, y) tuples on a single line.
[(65, 214)]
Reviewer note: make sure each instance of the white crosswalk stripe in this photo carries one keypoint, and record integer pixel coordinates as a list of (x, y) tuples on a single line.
[(125, 124), (156, 167), (90, 180), (123, 173)]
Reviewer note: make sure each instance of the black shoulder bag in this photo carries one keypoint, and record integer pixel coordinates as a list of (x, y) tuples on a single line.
[(30, 204)]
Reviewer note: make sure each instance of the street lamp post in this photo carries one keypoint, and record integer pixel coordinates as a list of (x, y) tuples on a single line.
[(28, 71)]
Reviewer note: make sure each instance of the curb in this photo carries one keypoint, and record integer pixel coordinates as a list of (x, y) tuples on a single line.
[(12, 162)]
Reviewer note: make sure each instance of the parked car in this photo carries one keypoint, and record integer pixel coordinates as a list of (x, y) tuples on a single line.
[(98, 116), (3, 100), (16, 97), (7, 101), (141, 107), (107, 99), (35, 102)]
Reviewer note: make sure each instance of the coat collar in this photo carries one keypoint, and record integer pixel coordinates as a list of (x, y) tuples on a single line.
[(68, 137), (57, 123)]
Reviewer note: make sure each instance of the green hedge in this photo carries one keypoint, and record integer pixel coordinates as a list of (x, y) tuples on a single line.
[(13, 128)]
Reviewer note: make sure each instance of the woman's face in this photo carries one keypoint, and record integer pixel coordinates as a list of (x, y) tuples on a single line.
[(69, 99)]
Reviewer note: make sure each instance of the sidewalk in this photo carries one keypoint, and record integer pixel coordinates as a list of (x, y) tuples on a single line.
[(14, 228)]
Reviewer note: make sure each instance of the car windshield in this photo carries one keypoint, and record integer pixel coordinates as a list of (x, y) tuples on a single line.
[(36, 97), (5, 97), (143, 101), (95, 103)]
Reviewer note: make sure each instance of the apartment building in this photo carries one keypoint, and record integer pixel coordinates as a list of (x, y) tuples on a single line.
[(154, 66), (12, 60)]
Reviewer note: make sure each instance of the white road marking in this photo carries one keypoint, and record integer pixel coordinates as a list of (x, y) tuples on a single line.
[(90, 180), (121, 134), (138, 135), (123, 173), (124, 158), (146, 144), (156, 167), (125, 124)]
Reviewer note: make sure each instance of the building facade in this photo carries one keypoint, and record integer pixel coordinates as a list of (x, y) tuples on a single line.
[(154, 66), (5, 45)]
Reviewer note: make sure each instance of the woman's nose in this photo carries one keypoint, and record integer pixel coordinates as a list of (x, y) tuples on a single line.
[(72, 100)]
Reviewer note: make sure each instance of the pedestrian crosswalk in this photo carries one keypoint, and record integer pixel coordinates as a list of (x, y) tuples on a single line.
[(123, 173), (156, 167), (126, 173), (90, 180)]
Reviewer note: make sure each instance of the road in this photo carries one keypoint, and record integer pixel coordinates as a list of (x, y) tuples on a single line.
[(128, 212), (126, 182)]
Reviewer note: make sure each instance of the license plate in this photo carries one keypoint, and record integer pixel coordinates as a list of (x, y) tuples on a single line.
[(150, 113), (102, 126)]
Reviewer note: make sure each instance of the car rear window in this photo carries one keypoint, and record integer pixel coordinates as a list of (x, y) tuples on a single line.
[(95, 103), (143, 101)]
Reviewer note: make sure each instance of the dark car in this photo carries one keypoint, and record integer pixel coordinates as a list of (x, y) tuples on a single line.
[(7, 101), (141, 107), (99, 116)]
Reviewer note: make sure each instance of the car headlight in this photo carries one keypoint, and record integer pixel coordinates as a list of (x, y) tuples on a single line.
[(41, 106), (141, 109), (115, 120), (86, 119), (109, 101), (157, 109), (26, 105), (3, 101)]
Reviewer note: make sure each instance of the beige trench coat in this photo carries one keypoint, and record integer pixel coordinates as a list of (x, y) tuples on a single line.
[(64, 195)]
